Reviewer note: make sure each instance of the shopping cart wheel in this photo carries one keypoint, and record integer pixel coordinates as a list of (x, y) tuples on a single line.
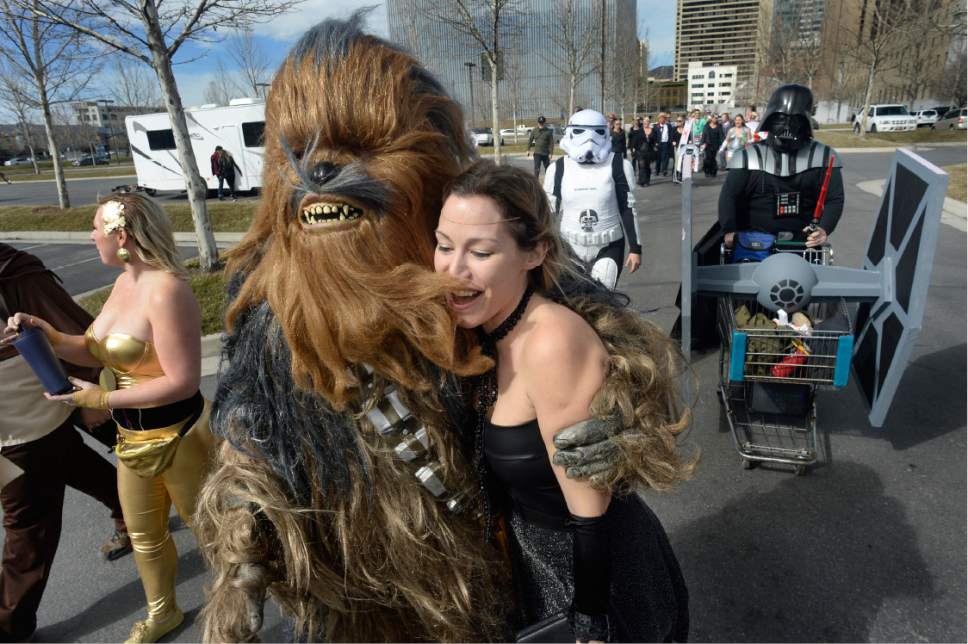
[(748, 464)]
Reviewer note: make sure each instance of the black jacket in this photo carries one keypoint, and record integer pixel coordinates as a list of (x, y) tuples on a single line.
[(657, 133)]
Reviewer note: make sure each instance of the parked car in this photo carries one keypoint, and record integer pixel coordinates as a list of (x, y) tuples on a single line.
[(926, 118), (887, 118), (513, 136), (87, 159), (953, 119), (17, 161), (483, 136)]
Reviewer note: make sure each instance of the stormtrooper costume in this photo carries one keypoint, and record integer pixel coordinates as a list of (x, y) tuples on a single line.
[(590, 190)]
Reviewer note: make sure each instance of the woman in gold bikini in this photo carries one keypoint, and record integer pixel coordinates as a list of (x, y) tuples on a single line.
[(148, 338)]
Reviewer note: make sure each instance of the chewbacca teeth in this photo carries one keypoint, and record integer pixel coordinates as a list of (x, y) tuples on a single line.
[(465, 293), (325, 213)]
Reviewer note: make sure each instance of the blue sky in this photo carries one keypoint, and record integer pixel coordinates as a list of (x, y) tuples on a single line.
[(656, 17)]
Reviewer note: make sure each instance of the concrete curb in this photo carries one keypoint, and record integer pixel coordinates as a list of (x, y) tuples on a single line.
[(954, 213)]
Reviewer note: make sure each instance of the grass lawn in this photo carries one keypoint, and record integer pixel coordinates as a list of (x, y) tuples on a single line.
[(225, 216), (956, 181), (890, 139), (209, 289)]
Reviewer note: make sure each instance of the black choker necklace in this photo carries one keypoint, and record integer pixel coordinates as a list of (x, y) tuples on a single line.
[(489, 340), (487, 396)]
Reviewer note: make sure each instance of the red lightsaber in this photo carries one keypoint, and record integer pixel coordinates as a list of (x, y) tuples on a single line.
[(822, 199)]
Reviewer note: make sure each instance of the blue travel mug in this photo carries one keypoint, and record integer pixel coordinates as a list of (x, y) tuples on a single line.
[(36, 350)]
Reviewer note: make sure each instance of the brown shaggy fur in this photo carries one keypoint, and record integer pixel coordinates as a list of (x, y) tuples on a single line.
[(385, 562)]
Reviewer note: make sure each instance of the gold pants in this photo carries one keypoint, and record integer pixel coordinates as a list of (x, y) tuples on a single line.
[(146, 504)]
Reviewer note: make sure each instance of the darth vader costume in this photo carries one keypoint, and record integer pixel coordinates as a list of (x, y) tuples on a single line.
[(590, 189), (773, 187)]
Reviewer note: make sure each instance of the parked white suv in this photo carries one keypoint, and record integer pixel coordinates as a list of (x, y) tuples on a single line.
[(926, 118), (887, 118)]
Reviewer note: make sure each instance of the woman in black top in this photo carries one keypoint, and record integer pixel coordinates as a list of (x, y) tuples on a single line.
[(589, 552), (710, 142), (618, 138)]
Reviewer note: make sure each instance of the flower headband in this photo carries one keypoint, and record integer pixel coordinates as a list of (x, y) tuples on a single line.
[(113, 216)]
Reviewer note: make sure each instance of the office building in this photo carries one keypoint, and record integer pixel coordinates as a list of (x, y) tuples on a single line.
[(531, 77), (712, 87), (721, 32)]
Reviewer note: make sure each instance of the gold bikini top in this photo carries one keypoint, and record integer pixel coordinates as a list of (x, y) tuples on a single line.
[(132, 361)]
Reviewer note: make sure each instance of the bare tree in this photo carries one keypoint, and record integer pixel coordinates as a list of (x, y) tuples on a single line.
[(486, 23), (880, 39), (572, 47), (55, 61), (936, 22), (222, 88), (153, 31), (252, 63), (14, 98), (133, 84)]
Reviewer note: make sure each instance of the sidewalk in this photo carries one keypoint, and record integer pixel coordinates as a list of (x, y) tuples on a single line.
[(954, 213)]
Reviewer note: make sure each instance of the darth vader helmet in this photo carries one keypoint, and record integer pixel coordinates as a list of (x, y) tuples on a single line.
[(587, 139), (788, 118)]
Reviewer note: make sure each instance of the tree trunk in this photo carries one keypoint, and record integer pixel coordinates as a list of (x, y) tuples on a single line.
[(495, 122), (63, 200), (28, 141), (867, 97), (207, 250), (571, 95)]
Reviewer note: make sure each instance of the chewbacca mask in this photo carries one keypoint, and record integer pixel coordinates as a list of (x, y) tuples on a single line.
[(359, 143), (309, 498)]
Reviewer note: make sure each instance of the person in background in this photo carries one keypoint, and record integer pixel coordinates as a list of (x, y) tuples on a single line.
[(644, 155), (634, 137), (738, 137), (725, 122), (226, 169), (42, 452), (663, 142), (619, 146), (677, 134), (710, 142), (542, 139)]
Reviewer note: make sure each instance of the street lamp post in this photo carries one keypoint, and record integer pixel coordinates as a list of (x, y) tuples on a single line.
[(470, 84)]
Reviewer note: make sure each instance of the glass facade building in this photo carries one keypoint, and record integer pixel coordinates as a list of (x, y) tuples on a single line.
[(532, 79)]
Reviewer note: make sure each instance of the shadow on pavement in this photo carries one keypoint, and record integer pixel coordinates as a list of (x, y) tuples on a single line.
[(930, 402), (783, 567), (126, 601)]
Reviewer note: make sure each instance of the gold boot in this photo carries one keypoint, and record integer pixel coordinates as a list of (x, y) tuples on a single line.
[(149, 630)]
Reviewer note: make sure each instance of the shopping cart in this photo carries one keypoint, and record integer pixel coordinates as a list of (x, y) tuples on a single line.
[(769, 375)]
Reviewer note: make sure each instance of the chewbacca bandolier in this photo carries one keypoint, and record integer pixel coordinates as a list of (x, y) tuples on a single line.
[(341, 480)]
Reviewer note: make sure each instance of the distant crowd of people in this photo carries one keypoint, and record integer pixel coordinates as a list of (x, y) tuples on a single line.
[(652, 144)]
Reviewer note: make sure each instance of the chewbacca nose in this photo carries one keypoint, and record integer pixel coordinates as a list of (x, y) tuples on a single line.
[(323, 172)]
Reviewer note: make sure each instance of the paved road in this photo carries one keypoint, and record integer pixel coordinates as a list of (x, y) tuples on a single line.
[(868, 547)]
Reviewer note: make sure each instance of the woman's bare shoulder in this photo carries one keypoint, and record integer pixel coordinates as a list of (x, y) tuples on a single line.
[(560, 337)]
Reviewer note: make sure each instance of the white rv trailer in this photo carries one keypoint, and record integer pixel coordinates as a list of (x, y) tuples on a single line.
[(237, 127)]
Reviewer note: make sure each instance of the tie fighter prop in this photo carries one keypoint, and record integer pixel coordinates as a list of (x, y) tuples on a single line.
[(891, 287)]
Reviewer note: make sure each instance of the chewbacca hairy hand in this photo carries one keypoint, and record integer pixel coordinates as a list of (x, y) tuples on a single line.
[(586, 449), (253, 580)]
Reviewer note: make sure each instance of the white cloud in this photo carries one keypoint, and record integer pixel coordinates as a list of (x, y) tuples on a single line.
[(289, 26)]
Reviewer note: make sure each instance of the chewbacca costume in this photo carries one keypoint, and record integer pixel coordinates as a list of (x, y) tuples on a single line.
[(343, 485), (354, 512)]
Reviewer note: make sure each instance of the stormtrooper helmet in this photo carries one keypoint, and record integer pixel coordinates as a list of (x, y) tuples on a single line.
[(587, 139)]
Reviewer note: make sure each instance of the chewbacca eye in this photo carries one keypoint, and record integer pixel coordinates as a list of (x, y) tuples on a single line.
[(323, 172)]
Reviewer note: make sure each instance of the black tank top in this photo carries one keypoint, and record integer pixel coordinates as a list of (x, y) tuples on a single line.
[(519, 461)]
